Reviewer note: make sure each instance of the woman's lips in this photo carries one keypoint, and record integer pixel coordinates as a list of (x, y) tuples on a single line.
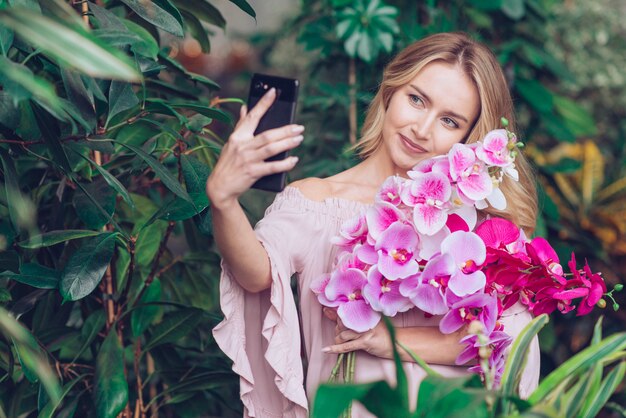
[(413, 147)]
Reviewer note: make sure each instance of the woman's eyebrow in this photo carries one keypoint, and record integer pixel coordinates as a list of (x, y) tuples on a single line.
[(448, 112)]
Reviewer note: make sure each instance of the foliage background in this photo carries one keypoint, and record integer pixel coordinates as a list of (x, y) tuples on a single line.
[(150, 226)]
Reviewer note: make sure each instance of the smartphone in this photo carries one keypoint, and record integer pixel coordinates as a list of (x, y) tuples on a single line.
[(281, 113)]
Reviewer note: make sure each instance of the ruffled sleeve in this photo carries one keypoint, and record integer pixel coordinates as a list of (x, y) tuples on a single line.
[(514, 320), (260, 331)]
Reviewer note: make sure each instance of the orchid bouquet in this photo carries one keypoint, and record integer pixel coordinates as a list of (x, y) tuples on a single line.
[(421, 245)]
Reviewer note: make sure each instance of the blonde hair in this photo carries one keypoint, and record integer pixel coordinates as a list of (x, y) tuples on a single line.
[(482, 68)]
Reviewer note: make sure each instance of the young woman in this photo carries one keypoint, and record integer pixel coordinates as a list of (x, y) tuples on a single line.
[(437, 92)]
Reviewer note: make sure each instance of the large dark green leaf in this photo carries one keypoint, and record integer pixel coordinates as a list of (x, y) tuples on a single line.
[(196, 174), (80, 97), (205, 110), (577, 119), (173, 64), (36, 275), (203, 10), (50, 131), (12, 189), (111, 388), (174, 326), (70, 46), (54, 237), (100, 192), (148, 46), (168, 180), (194, 26), (156, 14), (121, 98), (86, 266), (143, 316), (245, 6), (148, 242)]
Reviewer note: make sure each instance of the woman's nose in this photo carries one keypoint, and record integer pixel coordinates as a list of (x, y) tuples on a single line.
[(423, 126)]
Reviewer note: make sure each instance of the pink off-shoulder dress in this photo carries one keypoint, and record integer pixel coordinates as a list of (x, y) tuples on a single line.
[(276, 347)]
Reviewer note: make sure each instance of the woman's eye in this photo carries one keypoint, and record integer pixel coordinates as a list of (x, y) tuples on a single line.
[(416, 99), (450, 122)]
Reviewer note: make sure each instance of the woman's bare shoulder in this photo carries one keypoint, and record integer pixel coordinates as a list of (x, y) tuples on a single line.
[(314, 188)]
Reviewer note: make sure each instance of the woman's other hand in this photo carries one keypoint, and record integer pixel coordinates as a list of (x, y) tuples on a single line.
[(375, 341), (242, 161)]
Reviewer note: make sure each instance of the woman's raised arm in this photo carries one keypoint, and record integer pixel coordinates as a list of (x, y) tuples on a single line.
[(241, 163)]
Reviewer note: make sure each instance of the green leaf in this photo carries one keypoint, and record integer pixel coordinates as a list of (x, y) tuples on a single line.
[(148, 242), (29, 353), (111, 388), (210, 112), (195, 174), (516, 359), (12, 189), (112, 181), (121, 98), (148, 46), (536, 94), (332, 399), (143, 316), (194, 26), (203, 10), (90, 330), (86, 267), (168, 180), (577, 119), (54, 237), (578, 364), (557, 128), (609, 385), (50, 408), (451, 398), (36, 275), (486, 4), (9, 261), (174, 65), (515, 9), (157, 14), (245, 6), (91, 199), (19, 81), (50, 131), (174, 326), (71, 47), (78, 94)]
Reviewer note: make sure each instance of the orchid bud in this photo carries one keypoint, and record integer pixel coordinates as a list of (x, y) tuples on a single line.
[(504, 122), (601, 304), (615, 306), (618, 287)]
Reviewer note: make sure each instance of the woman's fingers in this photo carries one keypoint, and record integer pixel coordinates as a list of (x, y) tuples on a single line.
[(278, 134), (347, 335), (272, 167), (252, 118), (344, 347)]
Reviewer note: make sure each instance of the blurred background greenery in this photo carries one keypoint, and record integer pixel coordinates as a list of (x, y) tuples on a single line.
[(564, 60)]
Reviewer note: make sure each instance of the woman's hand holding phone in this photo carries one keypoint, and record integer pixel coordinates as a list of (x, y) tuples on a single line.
[(242, 161)]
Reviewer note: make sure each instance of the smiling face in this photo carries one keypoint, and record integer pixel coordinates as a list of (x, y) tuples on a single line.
[(428, 115)]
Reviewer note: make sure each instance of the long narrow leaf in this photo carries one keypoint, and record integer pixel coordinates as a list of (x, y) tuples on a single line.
[(50, 408), (168, 180), (48, 239), (610, 383), (577, 364), (70, 46), (579, 393), (517, 358)]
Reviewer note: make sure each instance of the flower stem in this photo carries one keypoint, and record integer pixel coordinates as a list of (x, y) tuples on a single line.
[(335, 371)]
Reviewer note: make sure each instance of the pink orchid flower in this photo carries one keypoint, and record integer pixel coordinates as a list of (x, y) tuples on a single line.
[(497, 342), (345, 291), (384, 295), (496, 149), (352, 231), (428, 194), (380, 217), (427, 289), (390, 191), (469, 173), (478, 307), (468, 252), (397, 248)]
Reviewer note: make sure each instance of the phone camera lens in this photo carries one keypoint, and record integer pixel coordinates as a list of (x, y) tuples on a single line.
[(258, 85)]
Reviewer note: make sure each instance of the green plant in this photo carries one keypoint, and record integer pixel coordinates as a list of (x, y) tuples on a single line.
[(577, 388), (106, 142)]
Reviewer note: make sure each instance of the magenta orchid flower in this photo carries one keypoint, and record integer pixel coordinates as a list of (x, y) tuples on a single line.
[(427, 289), (428, 194), (384, 295), (345, 291), (469, 173), (390, 191), (397, 248), (478, 307), (469, 253)]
